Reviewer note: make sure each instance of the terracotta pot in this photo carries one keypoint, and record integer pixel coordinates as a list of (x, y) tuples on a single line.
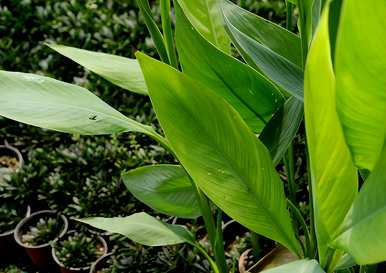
[(40, 255), (9, 249), (86, 269), (100, 263)]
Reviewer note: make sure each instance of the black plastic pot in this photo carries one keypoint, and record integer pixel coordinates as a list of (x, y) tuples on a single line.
[(8, 150), (9, 249), (86, 269), (40, 255), (100, 263)]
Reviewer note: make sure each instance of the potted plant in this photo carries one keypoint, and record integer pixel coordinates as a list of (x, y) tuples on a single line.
[(111, 263), (36, 234), (77, 250), (10, 216), (11, 161)]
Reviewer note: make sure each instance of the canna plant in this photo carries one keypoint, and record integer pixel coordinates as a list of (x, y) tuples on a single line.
[(230, 122)]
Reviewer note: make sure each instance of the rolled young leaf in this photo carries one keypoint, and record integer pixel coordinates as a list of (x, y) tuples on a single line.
[(360, 63), (218, 150), (60, 106), (363, 233), (143, 228), (250, 93), (124, 72), (166, 188), (333, 175), (266, 46), (205, 15), (302, 266)]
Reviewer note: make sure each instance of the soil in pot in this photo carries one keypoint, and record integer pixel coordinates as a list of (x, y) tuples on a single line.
[(10, 216), (78, 250), (36, 234)]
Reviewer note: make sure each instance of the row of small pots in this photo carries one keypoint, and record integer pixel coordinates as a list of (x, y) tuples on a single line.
[(44, 255)]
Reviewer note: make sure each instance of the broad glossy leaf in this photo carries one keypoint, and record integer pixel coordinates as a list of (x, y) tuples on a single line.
[(124, 72), (60, 106), (302, 266), (218, 150), (278, 134), (363, 233), (360, 65), (260, 42), (143, 228), (205, 15), (166, 188), (333, 175), (249, 92)]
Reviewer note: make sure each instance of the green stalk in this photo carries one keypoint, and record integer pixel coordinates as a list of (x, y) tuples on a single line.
[(290, 169), (153, 29), (307, 249), (211, 262), (213, 233), (303, 30), (168, 32), (311, 202), (289, 19)]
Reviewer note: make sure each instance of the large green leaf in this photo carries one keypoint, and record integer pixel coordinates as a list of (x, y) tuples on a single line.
[(220, 153), (250, 93), (124, 72), (60, 106), (166, 188), (261, 43), (206, 17), (302, 266), (143, 228), (333, 175), (363, 233), (360, 65), (278, 134)]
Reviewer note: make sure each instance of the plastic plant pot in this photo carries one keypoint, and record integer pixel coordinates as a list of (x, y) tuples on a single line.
[(85, 269), (11, 160), (8, 246), (40, 255), (100, 263)]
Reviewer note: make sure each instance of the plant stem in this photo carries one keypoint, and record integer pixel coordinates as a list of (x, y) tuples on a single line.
[(214, 237), (290, 169), (303, 31), (311, 203), (307, 250), (289, 18), (211, 262), (168, 32), (255, 244)]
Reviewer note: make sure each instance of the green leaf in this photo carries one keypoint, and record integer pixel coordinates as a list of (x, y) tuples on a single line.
[(260, 42), (249, 92), (360, 64), (220, 153), (205, 16), (302, 266), (124, 72), (278, 134), (60, 106), (143, 228), (333, 175), (363, 233), (154, 31), (166, 188)]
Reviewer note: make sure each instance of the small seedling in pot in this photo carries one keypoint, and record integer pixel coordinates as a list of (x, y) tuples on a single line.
[(117, 263), (44, 231), (79, 250)]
